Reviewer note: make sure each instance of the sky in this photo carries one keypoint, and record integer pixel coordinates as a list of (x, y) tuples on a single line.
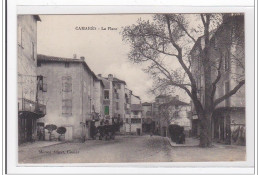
[(104, 50)]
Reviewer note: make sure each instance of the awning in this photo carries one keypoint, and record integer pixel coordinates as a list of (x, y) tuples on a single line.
[(29, 115)]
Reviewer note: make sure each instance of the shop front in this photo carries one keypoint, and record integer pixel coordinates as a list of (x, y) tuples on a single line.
[(28, 114)]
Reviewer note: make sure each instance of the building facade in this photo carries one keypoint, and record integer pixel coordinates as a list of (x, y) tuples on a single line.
[(30, 106), (114, 99), (174, 112), (148, 124), (72, 97), (227, 45)]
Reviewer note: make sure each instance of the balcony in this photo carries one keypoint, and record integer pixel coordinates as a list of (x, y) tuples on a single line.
[(106, 102), (30, 109)]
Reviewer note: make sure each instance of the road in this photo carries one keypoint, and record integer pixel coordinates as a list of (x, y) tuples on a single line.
[(128, 149)]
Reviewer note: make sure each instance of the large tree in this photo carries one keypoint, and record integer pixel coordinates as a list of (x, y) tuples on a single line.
[(168, 39)]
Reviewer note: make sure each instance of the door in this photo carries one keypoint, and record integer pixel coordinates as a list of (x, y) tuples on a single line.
[(68, 134), (138, 130), (40, 131), (29, 130)]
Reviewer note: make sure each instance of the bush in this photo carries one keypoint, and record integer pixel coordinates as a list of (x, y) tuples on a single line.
[(50, 129), (175, 132), (61, 130)]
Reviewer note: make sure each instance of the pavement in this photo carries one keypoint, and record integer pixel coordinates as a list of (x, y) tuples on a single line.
[(127, 149), (189, 142), (37, 144)]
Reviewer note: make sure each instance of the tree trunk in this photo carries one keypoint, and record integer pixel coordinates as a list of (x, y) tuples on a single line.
[(205, 130)]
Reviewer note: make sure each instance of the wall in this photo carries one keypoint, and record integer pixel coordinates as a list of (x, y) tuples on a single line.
[(223, 46), (26, 62), (183, 119), (135, 100), (147, 108), (80, 113)]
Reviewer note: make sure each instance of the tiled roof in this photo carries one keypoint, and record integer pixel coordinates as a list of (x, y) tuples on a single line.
[(146, 104), (45, 58), (162, 96), (136, 107), (175, 102), (118, 80)]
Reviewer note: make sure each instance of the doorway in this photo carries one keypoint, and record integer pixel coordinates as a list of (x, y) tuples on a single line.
[(68, 134)]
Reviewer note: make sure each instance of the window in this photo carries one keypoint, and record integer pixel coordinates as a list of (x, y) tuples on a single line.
[(85, 87), (20, 36), (66, 96), (227, 101), (118, 86), (226, 64), (106, 110), (32, 50), (117, 106), (117, 95), (135, 120), (67, 65), (106, 94), (135, 112)]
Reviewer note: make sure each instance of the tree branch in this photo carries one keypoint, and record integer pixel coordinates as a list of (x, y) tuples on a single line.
[(184, 29), (193, 82), (230, 93), (214, 87)]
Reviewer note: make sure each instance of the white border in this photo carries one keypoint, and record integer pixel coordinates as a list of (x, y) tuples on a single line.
[(183, 168)]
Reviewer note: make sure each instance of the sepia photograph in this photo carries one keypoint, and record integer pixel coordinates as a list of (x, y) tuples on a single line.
[(128, 88)]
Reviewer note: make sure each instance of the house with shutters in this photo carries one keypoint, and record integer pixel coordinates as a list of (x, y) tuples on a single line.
[(227, 50), (31, 107), (73, 99), (114, 99)]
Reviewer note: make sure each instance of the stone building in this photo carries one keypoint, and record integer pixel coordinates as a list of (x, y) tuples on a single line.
[(114, 99), (160, 99), (30, 106), (174, 112), (72, 97), (226, 44), (133, 123), (148, 124), (128, 101), (98, 110)]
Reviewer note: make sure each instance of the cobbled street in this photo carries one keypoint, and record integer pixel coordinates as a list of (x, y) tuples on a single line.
[(128, 149)]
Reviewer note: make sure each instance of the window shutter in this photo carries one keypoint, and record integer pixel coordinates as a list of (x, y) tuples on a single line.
[(19, 36)]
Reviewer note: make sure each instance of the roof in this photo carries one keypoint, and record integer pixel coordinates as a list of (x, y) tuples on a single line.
[(162, 96), (228, 109), (45, 58), (175, 102), (136, 107), (101, 82), (118, 80), (37, 17), (146, 104), (213, 33), (136, 96)]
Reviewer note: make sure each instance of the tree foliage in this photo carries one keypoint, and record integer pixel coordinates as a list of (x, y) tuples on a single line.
[(164, 45), (61, 130)]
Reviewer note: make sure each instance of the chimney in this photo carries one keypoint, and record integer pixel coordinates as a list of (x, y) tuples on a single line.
[(100, 75), (110, 77), (74, 56), (82, 58)]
